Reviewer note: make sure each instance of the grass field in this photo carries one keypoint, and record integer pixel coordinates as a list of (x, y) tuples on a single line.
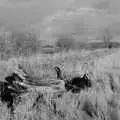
[(100, 102)]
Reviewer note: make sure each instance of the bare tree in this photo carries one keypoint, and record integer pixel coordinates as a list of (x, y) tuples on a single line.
[(65, 43), (107, 36)]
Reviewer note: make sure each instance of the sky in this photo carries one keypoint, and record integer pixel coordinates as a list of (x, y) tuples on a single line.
[(25, 12), (84, 18), (56, 17)]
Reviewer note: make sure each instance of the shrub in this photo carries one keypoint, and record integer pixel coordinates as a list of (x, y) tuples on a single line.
[(65, 43), (18, 43), (24, 44)]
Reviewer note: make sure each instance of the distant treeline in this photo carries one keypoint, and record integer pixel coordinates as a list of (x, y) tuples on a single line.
[(18, 44)]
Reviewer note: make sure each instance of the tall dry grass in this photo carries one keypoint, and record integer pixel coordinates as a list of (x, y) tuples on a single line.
[(100, 102)]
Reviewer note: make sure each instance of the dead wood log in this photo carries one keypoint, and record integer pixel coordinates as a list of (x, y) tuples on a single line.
[(76, 84)]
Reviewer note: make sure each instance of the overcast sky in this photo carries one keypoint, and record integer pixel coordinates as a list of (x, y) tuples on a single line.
[(25, 12), (30, 11), (21, 13)]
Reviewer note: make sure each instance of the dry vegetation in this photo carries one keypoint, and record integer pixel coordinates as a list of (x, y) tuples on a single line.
[(101, 102), (70, 52)]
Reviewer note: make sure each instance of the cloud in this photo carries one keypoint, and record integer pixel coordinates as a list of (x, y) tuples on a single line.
[(21, 13), (63, 16), (29, 3), (17, 3), (111, 6), (79, 21)]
